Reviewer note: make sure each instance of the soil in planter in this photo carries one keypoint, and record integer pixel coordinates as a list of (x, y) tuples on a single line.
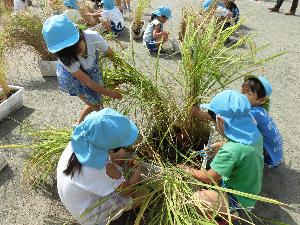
[(4, 97), (137, 27), (178, 139)]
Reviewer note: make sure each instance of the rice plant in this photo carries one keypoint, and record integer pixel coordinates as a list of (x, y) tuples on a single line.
[(141, 5), (3, 80), (160, 102), (26, 28)]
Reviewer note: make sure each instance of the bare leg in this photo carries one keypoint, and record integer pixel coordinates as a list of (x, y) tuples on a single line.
[(212, 201), (163, 39), (88, 108)]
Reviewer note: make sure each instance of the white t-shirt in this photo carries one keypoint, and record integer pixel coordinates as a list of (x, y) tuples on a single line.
[(73, 15), (94, 42), (148, 35), (81, 191), (114, 15), (20, 5)]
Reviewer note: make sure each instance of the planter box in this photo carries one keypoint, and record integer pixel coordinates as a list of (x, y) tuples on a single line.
[(3, 162), (48, 68), (14, 102), (139, 34)]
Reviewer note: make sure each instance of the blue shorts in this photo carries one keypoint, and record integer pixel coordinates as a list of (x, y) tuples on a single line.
[(152, 45)]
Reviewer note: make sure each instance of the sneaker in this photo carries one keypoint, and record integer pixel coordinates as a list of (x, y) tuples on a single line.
[(290, 13), (274, 9)]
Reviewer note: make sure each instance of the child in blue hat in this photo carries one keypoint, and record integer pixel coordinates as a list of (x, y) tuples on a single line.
[(72, 11), (110, 18), (78, 69), (226, 9), (154, 35), (258, 90), (239, 162), (90, 168)]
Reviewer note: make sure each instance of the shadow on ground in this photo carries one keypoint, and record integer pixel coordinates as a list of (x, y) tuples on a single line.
[(5, 174), (281, 184), (14, 120), (49, 83)]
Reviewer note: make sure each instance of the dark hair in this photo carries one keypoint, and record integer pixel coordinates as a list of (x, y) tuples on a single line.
[(255, 86), (69, 55), (73, 166), (117, 149), (153, 16), (212, 115)]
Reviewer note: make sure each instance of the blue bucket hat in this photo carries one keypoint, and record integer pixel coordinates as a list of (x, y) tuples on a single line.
[(98, 133), (108, 4), (71, 3), (163, 11), (59, 32), (234, 108)]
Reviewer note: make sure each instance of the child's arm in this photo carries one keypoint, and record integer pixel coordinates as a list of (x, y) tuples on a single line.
[(124, 188), (157, 33), (204, 176), (87, 81)]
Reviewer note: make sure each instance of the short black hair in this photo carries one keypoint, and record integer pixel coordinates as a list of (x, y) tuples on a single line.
[(255, 86)]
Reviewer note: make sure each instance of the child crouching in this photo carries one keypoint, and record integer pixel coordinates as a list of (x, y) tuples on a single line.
[(90, 170), (154, 36)]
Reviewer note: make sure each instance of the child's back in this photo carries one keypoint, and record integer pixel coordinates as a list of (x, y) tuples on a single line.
[(115, 16), (272, 138), (241, 167)]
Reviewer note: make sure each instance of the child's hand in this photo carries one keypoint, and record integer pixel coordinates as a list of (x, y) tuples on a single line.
[(115, 94)]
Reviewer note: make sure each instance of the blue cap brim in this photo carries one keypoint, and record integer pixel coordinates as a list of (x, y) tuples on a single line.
[(86, 153), (64, 44)]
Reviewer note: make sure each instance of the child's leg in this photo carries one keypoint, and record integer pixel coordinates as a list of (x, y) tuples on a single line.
[(88, 108), (163, 39), (213, 201)]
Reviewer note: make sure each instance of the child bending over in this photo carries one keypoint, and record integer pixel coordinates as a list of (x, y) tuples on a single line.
[(78, 70), (111, 19), (90, 172), (154, 35), (239, 162)]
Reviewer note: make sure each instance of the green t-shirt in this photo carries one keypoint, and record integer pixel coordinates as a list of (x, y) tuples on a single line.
[(241, 167)]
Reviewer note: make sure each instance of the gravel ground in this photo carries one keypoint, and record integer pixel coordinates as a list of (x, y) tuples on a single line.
[(45, 104)]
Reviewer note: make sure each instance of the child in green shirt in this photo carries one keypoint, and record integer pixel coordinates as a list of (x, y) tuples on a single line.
[(239, 162)]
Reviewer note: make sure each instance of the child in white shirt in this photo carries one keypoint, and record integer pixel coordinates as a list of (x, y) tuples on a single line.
[(90, 172), (154, 35)]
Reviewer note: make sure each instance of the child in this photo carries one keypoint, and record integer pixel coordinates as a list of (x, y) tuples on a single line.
[(89, 171), (78, 67), (258, 90), (72, 11), (226, 9), (126, 4), (111, 18), (154, 35), (240, 160)]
